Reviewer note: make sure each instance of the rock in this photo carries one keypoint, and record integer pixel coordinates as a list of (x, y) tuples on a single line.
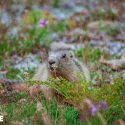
[(115, 63), (100, 24)]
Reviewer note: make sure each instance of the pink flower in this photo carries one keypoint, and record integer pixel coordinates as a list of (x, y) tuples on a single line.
[(43, 22)]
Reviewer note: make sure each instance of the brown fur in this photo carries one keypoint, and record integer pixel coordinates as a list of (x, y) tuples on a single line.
[(66, 65)]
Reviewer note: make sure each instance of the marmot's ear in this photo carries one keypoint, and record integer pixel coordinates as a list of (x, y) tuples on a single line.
[(60, 46)]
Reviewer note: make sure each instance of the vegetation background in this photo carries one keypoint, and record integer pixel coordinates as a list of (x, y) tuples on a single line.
[(95, 28)]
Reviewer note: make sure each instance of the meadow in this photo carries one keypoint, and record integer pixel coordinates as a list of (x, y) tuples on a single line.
[(95, 28)]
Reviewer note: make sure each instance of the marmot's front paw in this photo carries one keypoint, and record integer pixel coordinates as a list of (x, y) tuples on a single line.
[(34, 91)]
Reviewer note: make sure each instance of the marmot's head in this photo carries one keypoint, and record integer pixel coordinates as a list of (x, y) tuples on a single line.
[(61, 62), (60, 59)]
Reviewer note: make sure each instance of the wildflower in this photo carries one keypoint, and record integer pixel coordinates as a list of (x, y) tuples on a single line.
[(94, 110), (43, 22), (103, 105)]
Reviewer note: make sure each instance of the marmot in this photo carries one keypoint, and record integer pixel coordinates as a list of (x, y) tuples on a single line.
[(61, 62)]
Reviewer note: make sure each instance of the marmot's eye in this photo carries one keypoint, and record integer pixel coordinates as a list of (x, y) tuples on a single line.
[(71, 56), (63, 56)]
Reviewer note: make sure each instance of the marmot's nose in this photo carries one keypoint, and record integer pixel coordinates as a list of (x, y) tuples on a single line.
[(51, 62)]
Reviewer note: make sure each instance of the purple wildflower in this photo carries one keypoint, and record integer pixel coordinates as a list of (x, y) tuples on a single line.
[(94, 110), (43, 22), (103, 105)]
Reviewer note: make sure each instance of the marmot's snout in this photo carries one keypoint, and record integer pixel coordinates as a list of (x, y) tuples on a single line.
[(52, 64)]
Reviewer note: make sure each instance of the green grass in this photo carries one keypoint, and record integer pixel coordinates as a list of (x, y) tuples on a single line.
[(115, 112), (89, 54), (55, 3), (27, 111), (74, 95), (110, 30), (104, 14)]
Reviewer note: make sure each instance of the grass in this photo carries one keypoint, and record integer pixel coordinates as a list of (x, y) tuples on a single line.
[(27, 111), (74, 95), (31, 35), (55, 3), (89, 54), (110, 30), (104, 13)]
